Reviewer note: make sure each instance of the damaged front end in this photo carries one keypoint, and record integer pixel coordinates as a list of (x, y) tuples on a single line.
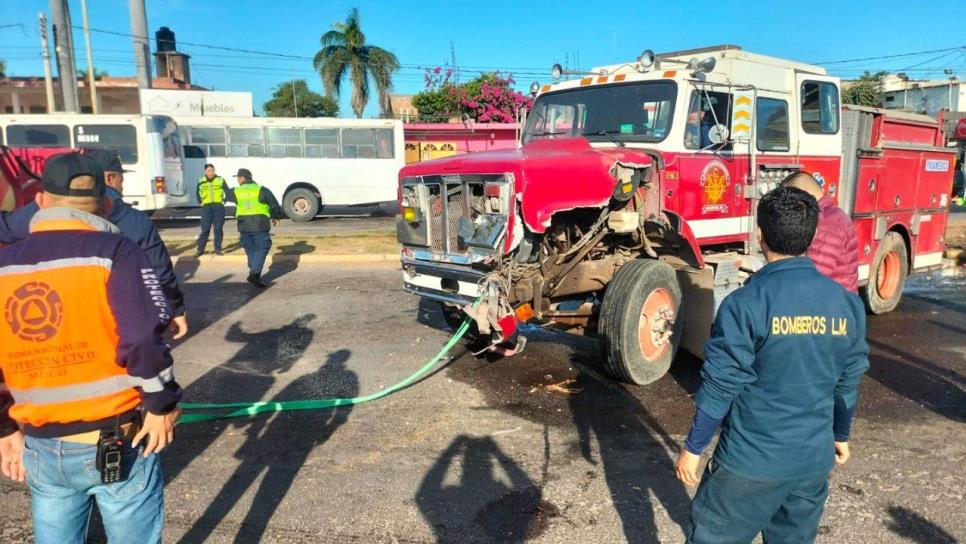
[(506, 252), (454, 232)]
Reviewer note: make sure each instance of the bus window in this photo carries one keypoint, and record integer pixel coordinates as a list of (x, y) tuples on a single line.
[(208, 141), (120, 138), (384, 143), (367, 143), (38, 136), (322, 143), (284, 142), (246, 142)]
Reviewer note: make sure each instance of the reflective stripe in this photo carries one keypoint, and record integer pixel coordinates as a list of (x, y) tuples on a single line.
[(55, 264), (91, 390)]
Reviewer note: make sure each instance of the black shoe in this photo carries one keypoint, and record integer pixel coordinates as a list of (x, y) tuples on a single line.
[(218, 252), (256, 280), (199, 253)]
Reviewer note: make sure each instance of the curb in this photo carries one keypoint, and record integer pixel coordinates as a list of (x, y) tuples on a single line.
[(308, 259)]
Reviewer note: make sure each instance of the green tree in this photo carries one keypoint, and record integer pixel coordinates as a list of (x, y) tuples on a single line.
[(294, 93), (345, 52), (3, 68), (97, 74), (865, 91)]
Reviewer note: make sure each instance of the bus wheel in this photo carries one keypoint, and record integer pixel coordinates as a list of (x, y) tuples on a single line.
[(888, 275), (301, 204), (639, 325)]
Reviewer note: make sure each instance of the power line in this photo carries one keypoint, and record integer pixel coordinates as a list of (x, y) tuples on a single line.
[(882, 57)]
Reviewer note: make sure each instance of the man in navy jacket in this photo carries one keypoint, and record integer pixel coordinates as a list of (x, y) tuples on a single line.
[(134, 225), (780, 378)]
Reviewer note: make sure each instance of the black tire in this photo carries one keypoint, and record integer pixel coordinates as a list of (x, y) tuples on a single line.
[(454, 317), (301, 205), (887, 275), (619, 324)]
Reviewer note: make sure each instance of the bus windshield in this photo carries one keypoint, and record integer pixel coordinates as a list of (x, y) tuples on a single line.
[(628, 112)]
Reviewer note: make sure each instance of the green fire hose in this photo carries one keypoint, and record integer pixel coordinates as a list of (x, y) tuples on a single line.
[(243, 409)]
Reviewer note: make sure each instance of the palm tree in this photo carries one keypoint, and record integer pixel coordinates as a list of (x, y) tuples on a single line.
[(345, 51)]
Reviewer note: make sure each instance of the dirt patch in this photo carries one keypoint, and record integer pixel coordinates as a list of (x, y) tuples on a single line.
[(363, 243)]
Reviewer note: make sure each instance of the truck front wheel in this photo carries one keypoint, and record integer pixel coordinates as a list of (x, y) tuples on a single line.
[(454, 317), (639, 326), (888, 274)]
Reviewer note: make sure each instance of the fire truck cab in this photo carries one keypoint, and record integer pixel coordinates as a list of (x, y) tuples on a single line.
[(628, 209)]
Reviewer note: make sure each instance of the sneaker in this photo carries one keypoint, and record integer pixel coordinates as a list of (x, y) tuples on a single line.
[(199, 253), (218, 252), (256, 280)]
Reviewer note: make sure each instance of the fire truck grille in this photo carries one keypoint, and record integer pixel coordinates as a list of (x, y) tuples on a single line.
[(437, 221), (447, 202), (454, 210)]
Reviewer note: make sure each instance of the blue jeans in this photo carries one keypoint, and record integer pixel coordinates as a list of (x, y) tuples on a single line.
[(257, 246), (63, 482), (212, 215), (732, 509)]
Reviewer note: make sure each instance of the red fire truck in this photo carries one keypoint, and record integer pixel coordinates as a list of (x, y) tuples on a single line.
[(18, 183), (628, 209)]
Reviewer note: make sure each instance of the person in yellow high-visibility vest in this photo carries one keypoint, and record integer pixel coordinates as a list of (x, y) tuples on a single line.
[(256, 212), (212, 190)]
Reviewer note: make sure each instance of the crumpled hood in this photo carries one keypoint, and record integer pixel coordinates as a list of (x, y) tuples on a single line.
[(552, 175)]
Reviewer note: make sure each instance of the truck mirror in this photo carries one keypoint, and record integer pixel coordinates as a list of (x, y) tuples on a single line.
[(718, 134)]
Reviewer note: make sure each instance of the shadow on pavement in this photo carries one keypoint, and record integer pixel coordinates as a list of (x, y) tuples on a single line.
[(276, 448), (631, 451), (476, 493), (910, 525), (926, 383)]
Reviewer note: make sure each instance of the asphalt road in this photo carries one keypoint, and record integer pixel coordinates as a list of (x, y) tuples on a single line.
[(485, 451)]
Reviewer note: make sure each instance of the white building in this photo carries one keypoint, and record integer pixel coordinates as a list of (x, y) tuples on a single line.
[(927, 97)]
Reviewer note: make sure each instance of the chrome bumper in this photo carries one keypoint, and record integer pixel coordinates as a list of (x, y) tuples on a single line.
[(457, 285)]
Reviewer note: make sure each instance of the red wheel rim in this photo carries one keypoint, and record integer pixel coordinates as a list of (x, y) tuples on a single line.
[(656, 324), (887, 278)]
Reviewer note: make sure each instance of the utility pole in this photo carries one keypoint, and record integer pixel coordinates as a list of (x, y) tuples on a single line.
[(90, 58), (142, 50), (295, 99), (64, 49), (48, 80)]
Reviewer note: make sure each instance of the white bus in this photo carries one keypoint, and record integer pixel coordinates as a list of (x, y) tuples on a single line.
[(307, 163), (148, 146)]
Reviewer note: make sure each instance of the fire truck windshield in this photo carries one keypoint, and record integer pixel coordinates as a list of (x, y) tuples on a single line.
[(627, 112)]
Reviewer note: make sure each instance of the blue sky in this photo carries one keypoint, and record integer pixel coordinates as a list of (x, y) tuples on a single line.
[(524, 38)]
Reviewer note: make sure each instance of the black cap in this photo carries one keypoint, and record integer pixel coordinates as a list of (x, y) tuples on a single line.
[(61, 170), (244, 172), (107, 159)]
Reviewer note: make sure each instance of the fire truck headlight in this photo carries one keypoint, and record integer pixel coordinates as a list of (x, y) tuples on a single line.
[(534, 88), (556, 72), (646, 59)]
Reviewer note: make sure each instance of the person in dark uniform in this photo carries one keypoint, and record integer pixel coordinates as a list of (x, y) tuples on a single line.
[(780, 378), (212, 190), (257, 211)]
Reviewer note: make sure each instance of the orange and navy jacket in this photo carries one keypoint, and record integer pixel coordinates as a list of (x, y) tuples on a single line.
[(80, 337)]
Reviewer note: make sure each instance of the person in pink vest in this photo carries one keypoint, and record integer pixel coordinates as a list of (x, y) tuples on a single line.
[(835, 249)]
